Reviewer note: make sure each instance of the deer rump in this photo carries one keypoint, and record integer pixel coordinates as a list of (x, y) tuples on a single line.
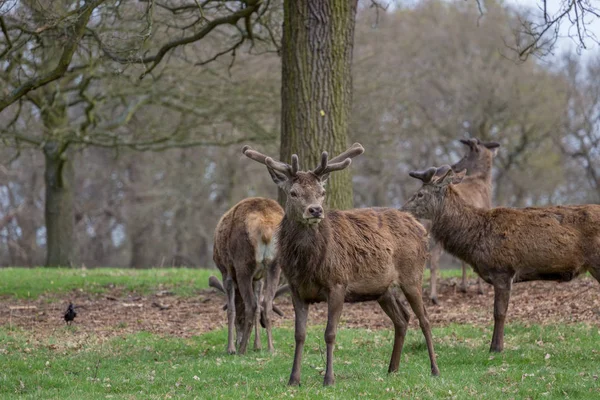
[(364, 249)]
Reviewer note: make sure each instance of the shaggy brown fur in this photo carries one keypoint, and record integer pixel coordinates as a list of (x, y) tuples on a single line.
[(506, 245), (346, 256), (475, 189), (244, 252)]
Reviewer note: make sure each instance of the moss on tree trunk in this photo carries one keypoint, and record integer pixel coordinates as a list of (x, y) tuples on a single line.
[(316, 89), (59, 214)]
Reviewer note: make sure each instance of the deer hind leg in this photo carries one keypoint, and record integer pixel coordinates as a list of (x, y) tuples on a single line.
[(258, 287), (479, 285), (434, 266), (245, 287), (413, 295), (394, 309), (463, 281), (335, 304), (230, 291), (273, 274)]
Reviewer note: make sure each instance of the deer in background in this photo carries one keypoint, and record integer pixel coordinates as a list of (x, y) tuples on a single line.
[(346, 256), (508, 245), (244, 252), (476, 189)]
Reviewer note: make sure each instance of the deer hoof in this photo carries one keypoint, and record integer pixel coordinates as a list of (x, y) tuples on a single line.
[(231, 351), (294, 382), (463, 288), (434, 300), (328, 381), (435, 371)]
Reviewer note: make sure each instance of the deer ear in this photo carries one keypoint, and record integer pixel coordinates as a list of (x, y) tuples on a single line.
[(279, 178)]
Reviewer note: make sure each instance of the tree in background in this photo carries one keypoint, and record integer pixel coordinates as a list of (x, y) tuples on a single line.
[(316, 91), (65, 88)]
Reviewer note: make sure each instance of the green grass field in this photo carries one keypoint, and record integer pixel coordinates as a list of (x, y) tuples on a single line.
[(34, 282), (540, 362)]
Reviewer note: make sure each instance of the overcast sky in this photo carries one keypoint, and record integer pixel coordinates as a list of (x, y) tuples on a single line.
[(564, 43)]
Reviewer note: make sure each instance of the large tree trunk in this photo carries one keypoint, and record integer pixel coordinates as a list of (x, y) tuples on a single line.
[(316, 91), (59, 211)]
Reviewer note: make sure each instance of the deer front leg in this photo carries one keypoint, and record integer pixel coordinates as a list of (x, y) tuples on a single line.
[(434, 265), (230, 291), (257, 293), (301, 311), (335, 304), (502, 289)]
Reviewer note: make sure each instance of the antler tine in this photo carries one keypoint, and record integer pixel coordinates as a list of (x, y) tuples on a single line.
[(424, 176), (253, 154), (441, 172), (320, 170), (355, 150), (268, 161), (337, 166), (295, 165), (279, 166)]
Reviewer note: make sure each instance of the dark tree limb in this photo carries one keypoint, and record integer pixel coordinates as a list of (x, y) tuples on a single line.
[(64, 61), (155, 59)]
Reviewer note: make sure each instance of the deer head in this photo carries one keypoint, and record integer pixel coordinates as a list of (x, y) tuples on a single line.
[(478, 157), (430, 196), (305, 190)]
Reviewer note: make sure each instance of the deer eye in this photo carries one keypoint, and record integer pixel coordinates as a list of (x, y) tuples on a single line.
[(420, 195), (293, 194), (323, 192)]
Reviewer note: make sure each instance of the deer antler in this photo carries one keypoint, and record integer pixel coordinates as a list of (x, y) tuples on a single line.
[(355, 150), (338, 163), (289, 170), (425, 176), (472, 143)]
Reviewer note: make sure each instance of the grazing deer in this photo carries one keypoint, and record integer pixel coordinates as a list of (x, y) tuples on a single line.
[(214, 282), (244, 252), (508, 245), (476, 189), (346, 256)]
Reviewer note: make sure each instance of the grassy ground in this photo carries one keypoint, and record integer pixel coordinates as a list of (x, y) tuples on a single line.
[(53, 361), (540, 362), (34, 282)]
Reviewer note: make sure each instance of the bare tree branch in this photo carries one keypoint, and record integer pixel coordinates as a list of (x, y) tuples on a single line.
[(64, 61), (155, 59)]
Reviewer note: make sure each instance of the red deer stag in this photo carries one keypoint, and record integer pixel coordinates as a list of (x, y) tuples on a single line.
[(476, 189), (346, 256), (244, 252), (508, 245)]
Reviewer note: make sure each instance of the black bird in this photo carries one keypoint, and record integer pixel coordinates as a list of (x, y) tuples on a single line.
[(70, 314)]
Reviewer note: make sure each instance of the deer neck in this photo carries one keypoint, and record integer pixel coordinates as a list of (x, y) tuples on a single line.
[(303, 248), (457, 225)]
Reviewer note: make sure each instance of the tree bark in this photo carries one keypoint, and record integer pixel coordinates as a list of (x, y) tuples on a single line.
[(59, 209), (316, 90)]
